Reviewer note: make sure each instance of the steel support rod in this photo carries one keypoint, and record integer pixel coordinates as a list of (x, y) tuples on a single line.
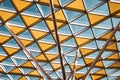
[(57, 39), (75, 65), (37, 65), (101, 51)]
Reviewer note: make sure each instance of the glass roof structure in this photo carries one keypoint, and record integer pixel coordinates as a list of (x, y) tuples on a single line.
[(60, 40)]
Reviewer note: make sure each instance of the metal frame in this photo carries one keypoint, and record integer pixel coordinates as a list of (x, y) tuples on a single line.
[(57, 39), (28, 53), (101, 51)]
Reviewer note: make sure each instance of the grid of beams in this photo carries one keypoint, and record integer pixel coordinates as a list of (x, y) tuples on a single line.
[(83, 27)]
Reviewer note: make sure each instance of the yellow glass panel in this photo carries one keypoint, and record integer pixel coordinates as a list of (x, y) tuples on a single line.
[(112, 46), (38, 34), (77, 68), (34, 73), (82, 41), (51, 56), (2, 57), (16, 71), (23, 78), (45, 46), (6, 15), (79, 75), (114, 7), (16, 29), (51, 26), (4, 38), (21, 4), (30, 20), (59, 15), (1, 70), (62, 37), (96, 77), (88, 60), (106, 36), (10, 50), (94, 19), (47, 1), (115, 65), (1, 1), (74, 5), (85, 51), (99, 64), (27, 64), (113, 57), (100, 72), (25, 42), (41, 57), (56, 65)]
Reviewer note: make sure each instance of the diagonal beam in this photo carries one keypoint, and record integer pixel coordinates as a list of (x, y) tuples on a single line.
[(101, 51), (37, 65), (75, 65), (57, 39)]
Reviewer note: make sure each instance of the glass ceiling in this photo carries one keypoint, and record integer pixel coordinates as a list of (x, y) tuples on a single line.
[(86, 24)]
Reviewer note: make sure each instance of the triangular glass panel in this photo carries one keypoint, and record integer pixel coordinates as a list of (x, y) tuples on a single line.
[(87, 34), (99, 32), (54, 50), (117, 73), (17, 20), (2, 52), (100, 43), (34, 47), (76, 28), (48, 38), (107, 63), (8, 68), (110, 71), (112, 77), (56, 60), (18, 61), (53, 75), (91, 45), (5, 76), (12, 42), (73, 53), (71, 14), (34, 53), (3, 30), (103, 9), (40, 26), (65, 29), (95, 70), (83, 70), (105, 24), (91, 3), (26, 34), (88, 78), (63, 2), (80, 62), (20, 54), (117, 35), (93, 55), (104, 78), (66, 48), (70, 42), (46, 10), (32, 10), (26, 70), (69, 58), (8, 61), (47, 66), (67, 68), (106, 54), (115, 21), (14, 77), (6, 4), (82, 20), (32, 78)]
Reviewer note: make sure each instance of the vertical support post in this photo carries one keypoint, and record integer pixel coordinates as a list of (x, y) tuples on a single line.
[(57, 39), (101, 51), (38, 66)]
